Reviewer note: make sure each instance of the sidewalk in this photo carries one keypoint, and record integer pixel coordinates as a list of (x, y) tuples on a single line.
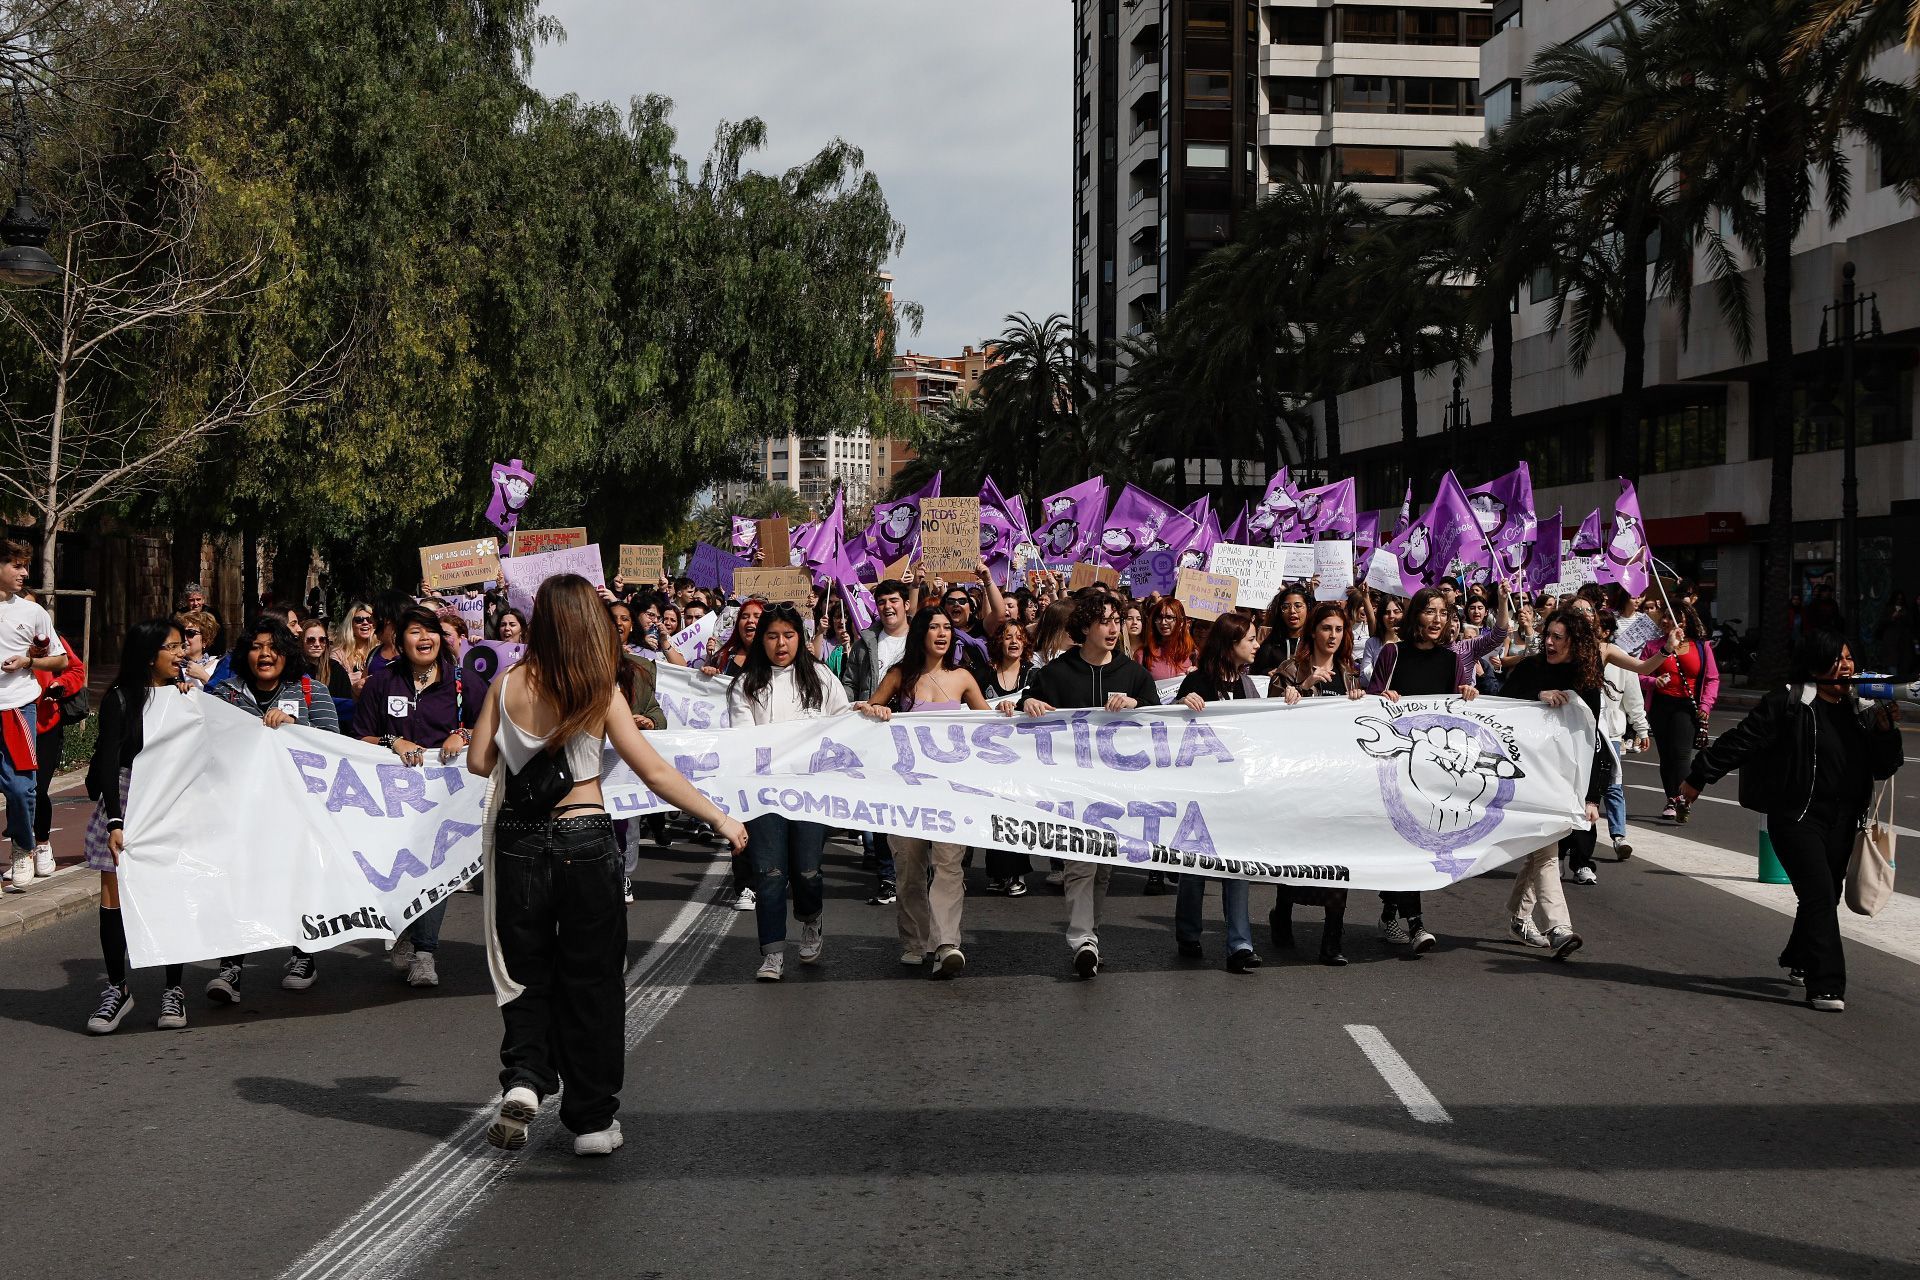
[(71, 889)]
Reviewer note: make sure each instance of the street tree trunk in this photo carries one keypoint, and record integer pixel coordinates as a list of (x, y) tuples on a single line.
[(1502, 334)]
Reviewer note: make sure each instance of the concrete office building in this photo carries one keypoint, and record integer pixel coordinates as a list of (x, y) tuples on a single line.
[(1698, 454), (1188, 110)]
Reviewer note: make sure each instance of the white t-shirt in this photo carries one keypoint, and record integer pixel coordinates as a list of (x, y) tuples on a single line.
[(887, 655), (780, 701), (22, 625)]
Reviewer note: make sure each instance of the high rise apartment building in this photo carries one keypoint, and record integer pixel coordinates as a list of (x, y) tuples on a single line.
[(1188, 110)]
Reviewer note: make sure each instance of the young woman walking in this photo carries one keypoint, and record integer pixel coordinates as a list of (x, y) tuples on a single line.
[(557, 936), (1219, 675)]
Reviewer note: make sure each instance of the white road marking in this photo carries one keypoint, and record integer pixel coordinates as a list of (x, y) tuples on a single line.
[(1896, 930), (1408, 1087), (402, 1225)]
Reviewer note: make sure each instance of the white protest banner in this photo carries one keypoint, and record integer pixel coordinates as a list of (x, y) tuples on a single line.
[(1299, 560), (1260, 571), (1413, 795), (691, 700), (524, 574), (1333, 566)]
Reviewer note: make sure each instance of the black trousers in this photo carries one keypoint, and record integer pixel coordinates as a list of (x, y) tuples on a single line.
[(1814, 852), (1671, 725), (1399, 905), (51, 744), (1577, 847), (563, 933)]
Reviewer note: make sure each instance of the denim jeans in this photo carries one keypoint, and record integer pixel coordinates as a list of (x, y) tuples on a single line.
[(876, 846), (1189, 903), (786, 860), (19, 788), (1616, 799), (563, 935), (425, 932)]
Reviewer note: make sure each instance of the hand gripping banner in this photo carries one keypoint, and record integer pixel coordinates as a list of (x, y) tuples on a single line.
[(242, 838)]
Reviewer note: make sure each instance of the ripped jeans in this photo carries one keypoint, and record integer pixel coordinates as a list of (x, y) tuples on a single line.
[(785, 856)]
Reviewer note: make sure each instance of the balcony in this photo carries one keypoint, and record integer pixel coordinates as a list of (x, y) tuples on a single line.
[(1146, 58), (1142, 195)]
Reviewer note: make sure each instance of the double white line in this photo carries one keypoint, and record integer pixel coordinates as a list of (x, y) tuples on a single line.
[(410, 1218)]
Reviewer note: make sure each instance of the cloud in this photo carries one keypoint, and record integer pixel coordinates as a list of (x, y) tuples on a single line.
[(963, 111)]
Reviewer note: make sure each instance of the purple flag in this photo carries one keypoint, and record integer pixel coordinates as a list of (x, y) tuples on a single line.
[(1330, 511), (711, 567), (1140, 523), (512, 482), (1199, 548), (746, 537), (1406, 512), (1504, 507), (1626, 556), (1428, 546), (1274, 517), (1003, 526), (1543, 568), (1366, 536), (1587, 541), (824, 542), (1236, 532), (1071, 521), (895, 530)]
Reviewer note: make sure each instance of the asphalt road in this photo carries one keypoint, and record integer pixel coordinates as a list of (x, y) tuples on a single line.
[(1661, 1106)]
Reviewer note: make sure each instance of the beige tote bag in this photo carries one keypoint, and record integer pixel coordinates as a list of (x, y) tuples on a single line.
[(1870, 870)]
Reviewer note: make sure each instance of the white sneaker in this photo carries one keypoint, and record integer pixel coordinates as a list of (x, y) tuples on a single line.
[(746, 901), (1086, 960), (773, 967), (22, 867), (421, 972), (603, 1143), (1521, 929), (913, 959), (949, 962), (1586, 875), (813, 940), (401, 957), (1828, 1004), (517, 1110), (1564, 942), (626, 892), (42, 861)]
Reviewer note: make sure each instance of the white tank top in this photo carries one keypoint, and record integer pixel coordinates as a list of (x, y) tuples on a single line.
[(517, 746)]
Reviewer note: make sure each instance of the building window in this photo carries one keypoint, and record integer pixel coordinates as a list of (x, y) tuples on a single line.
[(1368, 26), (1422, 96), (1363, 93), (1882, 402), (1206, 155), (1297, 97), (1500, 104), (1681, 436), (1209, 225), (1209, 88), (1476, 28), (1299, 26), (1366, 164), (1304, 164), (1207, 19), (1432, 26)]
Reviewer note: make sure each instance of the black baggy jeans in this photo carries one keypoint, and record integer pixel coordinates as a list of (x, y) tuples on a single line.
[(562, 925), (1814, 851)]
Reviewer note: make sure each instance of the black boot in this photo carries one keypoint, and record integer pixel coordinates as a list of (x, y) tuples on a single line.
[(1280, 920), (1330, 939), (1156, 885)]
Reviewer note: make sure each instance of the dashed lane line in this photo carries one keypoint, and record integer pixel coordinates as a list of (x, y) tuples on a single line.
[(1406, 1085)]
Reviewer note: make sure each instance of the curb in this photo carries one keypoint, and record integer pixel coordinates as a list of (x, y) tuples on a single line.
[(70, 892)]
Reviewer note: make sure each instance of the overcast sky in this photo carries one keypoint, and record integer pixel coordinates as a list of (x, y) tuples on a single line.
[(963, 110)]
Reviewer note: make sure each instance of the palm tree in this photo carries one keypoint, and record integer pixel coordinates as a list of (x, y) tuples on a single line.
[(1756, 139), (1416, 311), (1030, 401)]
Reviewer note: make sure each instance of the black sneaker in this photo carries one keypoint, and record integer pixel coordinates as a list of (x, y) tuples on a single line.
[(301, 971), (1797, 977), (173, 1009), (884, 896), (1086, 961), (1017, 887), (1190, 950), (1156, 885), (225, 986), (996, 886), (1242, 962), (114, 1004)]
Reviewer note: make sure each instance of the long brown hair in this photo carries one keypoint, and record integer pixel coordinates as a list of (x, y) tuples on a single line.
[(573, 655), (1583, 646), (1216, 661), (1179, 646), (1301, 663)]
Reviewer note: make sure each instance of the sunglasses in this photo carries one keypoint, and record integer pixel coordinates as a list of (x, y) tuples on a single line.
[(191, 633), (359, 618)]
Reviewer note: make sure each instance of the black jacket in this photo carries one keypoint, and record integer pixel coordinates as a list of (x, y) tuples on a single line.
[(1071, 681), (1775, 748)]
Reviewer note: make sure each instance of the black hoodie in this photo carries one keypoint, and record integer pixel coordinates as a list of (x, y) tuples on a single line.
[(1071, 681)]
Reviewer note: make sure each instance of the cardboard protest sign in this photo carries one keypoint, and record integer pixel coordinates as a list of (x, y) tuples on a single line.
[(1259, 571), (533, 542), (642, 564), (1333, 566), (950, 534), (524, 574), (898, 569), (776, 543), (778, 586), (1207, 597), (473, 613), (455, 564), (712, 568), (1085, 575)]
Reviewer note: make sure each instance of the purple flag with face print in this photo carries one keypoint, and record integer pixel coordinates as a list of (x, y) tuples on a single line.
[(1071, 522), (1625, 559), (1003, 526), (512, 483), (1330, 511), (1504, 507), (895, 530), (1446, 531), (1366, 536), (1587, 542), (1274, 517), (746, 537), (1543, 564), (1139, 523), (1199, 548)]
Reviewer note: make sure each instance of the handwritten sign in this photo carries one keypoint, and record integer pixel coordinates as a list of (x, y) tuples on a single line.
[(524, 574), (1153, 572), (1299, 563), (642, 564), (1207, 597), (455, 564), (1636, 633), (533, 542), (473, 612), (1085, 575), (776, 543), (792, 586), (1259, 571), (1333, 566), (950, 534)]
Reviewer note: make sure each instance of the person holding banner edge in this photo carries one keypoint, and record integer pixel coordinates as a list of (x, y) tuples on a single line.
[(557, 935), (1219, 675)]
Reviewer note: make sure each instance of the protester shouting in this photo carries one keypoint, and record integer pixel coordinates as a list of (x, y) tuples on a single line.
[(1808, 757), (149, 661), (557, 932), (416, 708), (1286, 628), (783, 682), (1093, 675)]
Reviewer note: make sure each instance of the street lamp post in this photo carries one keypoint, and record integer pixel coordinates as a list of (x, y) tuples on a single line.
[(24, 261), (1845, 329), (1458, 418)]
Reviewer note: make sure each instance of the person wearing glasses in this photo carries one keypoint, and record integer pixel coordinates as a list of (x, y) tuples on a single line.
[(316, 647), (357, 645), (201, 635)]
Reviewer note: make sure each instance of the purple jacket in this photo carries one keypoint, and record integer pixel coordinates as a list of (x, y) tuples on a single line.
[(1466, 656)]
